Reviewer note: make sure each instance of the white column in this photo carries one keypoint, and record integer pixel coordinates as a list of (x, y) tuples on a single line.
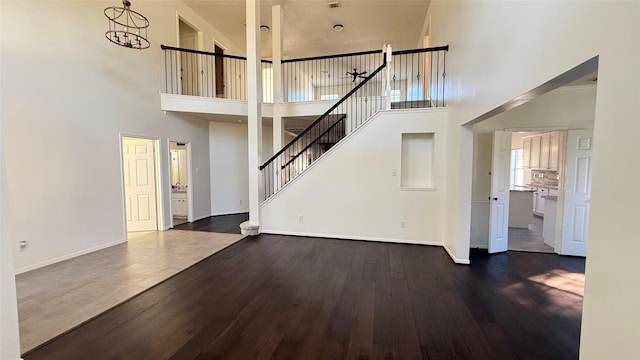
[(276, 46), (254, 118)]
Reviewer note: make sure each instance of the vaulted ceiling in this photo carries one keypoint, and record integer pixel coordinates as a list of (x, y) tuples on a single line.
[(308, 24)]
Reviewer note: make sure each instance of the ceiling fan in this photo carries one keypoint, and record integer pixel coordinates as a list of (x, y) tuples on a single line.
[(355, 74)]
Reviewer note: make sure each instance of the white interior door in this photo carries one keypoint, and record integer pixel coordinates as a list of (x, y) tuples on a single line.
[(499, 199), (575, 224), (139, 184)]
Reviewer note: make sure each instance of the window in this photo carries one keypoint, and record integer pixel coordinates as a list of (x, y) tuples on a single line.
[(517, 167), (329, 97), (395, 95)]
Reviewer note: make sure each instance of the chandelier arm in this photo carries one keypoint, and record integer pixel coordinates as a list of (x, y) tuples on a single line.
[(127, 28)]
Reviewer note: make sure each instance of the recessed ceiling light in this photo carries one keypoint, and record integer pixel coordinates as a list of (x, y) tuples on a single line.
[(338, 27), (264, 28)]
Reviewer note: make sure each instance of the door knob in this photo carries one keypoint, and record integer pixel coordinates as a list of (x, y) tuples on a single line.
[(494, 199)]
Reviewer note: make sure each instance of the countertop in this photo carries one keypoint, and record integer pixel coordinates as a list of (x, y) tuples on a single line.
[(522, 188)]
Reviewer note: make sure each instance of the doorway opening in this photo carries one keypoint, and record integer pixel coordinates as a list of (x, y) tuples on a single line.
[(535, 176), (532, 170), (189, 37), (219, 70), (140, 168), (181, 190)]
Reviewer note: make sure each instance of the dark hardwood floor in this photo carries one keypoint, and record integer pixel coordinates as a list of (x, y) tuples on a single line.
[(229, 224), (282, 297)]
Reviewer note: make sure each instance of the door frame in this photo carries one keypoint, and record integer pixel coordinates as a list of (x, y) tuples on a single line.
[(199, 44), (184, 19), (158, 179), (561, 172), (189, 181)]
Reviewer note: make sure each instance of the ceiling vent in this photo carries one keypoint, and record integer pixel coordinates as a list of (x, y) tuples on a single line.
[(333, 5)]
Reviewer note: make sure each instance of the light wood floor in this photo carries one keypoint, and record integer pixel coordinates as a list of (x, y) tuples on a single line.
[(59, 297)]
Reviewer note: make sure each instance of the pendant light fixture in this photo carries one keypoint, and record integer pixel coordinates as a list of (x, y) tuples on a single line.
[(127, 28)]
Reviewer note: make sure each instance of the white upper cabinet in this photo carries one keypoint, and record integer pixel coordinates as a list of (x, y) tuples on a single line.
[(554, 150), (535, 152), (526, 153), (542, 151)]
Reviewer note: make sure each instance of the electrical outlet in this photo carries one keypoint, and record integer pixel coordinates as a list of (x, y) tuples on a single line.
[(402, 224), (300, 218), (23, 244), (241, 202), (394, 172)]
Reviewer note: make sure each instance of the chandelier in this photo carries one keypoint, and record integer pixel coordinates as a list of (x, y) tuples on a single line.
[(127, 28)]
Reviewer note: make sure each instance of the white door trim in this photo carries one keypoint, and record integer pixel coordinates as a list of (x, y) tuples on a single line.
[(158, 180), (180, 17), (190, 176)]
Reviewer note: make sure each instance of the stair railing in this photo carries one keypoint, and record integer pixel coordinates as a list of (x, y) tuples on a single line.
[(417, 78), (322, 77), (363, 100)]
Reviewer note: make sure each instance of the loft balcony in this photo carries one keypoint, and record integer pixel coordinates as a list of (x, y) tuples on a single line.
[(203, 82)]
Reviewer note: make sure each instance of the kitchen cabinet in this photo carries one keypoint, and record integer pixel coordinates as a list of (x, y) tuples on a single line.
[(549, 225), (538, 200), (542, 152), (526, 153), (179, 203), (554, 150), (520, 208), (535, 153)]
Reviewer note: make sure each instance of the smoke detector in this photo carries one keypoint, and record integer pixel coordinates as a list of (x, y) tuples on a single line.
[(333, 5)]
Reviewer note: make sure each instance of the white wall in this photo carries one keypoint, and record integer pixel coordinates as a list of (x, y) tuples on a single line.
[(228, 152), (68, 94), (9, 333), (350, 192), (500, 50), (567, 107)]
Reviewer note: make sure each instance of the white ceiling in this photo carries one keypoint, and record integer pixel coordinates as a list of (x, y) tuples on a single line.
[(308, 24)]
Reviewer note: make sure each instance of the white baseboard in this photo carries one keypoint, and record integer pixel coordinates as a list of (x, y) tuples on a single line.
[(201, 217), (454, 258), (229, 213), (479, 246), (67, 257), (348, 237)]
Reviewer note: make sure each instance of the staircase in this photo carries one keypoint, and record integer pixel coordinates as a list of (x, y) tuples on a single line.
[(412, 79), (347, 114)]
